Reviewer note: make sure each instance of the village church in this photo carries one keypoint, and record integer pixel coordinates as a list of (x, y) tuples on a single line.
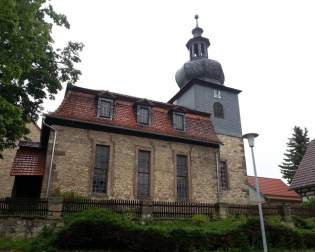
[(107, 145)]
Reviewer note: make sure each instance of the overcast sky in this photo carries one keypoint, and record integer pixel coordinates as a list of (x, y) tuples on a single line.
[(266, 48)]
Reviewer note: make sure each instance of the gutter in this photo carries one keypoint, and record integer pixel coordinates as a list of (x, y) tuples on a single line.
[(51, 159)]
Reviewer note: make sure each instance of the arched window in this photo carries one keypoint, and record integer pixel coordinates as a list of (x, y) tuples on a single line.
[(218, 110)]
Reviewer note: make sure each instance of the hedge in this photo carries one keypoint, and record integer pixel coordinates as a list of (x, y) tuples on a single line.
[(102, 229)]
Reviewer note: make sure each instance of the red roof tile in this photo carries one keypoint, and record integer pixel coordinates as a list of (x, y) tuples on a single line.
[(305, 174), (273, 188), (81, 104), (28, 161)]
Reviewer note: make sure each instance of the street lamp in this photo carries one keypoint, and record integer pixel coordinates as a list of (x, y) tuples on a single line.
[(251, 140)]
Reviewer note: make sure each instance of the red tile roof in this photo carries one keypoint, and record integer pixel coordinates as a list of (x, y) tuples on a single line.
[(273, 188), (305, 174), (28, 161), (80, 104)]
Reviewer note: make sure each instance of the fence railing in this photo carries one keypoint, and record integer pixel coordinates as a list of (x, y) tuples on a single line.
[(23, 207), (252, 210), (58, 207), (182, 210), (74, 205)]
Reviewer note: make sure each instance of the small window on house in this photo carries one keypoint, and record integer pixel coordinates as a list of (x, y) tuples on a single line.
[(143, 174), (143, 115), (105, 108), (181, 178), (179, 121), (218, 110), (217, 94), (100, 169), (223, 176)]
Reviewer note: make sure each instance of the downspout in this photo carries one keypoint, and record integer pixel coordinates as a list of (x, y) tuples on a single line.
[(51, 159), (218, 174)]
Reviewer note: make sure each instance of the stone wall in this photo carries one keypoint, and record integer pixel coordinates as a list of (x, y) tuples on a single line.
[(6, 181), (232, 151), (75, 155), (24, 227)]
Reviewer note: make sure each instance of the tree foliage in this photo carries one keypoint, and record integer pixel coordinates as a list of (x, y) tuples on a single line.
[(31, 69), (296, 148)]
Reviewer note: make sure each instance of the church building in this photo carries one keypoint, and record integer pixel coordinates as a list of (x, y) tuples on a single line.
[(107, 145)]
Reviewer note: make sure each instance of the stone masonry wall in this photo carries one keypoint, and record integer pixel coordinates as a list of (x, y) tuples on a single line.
[(233, 152), (6, 181), (75, 155), (24, 227)]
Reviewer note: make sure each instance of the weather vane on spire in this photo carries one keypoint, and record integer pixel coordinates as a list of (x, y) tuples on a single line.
[(196, 17)]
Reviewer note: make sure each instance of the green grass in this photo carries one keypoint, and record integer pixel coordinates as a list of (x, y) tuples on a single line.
[(14, 245)]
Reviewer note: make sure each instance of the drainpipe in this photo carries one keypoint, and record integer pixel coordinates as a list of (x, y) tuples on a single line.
[(52, 157), (218, 174)]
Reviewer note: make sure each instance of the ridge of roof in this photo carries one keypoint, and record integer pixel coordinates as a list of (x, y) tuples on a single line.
[(133, 99)]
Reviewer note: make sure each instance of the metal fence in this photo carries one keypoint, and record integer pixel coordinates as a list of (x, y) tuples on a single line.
[(75, 205), (182, 210), (23, 207), (20, 207)]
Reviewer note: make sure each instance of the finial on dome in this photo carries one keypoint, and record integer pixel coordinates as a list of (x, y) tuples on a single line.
[(197, 31), (196, 17)]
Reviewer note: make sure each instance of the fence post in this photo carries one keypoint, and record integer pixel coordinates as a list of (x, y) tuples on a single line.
[(146, 211), (286, 212), (55, 207), (222, 209)]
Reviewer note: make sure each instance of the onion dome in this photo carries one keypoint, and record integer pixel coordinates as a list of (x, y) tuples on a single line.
[(199, 66)]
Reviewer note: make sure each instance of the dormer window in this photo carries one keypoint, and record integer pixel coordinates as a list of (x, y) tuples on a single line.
[(178, 121), (105, 108), (143, 114)]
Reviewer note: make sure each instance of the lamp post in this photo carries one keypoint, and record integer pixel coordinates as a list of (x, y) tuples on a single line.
[(251, 139)]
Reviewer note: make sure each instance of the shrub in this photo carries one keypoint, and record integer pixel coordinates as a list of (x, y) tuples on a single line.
[(199, 219), (102, 229)]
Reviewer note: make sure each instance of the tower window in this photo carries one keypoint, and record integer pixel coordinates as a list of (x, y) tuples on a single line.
[(217, 94), (143, 115), (203, 50), (223, 176), (218, 110), (105, 108), (195, 50), (179, 121)]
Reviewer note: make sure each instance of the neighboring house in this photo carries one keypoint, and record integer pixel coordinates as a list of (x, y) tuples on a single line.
[(111, 145), (304, 179), (7, 181), (272, 191)]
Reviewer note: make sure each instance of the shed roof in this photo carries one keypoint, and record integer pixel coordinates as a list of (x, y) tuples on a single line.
[(273, 188), (29, 161)]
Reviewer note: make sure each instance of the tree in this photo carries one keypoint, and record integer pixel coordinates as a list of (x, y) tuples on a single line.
[(297, 146), (31, 69)]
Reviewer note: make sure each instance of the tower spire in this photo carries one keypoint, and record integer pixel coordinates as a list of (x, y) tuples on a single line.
[(196, 17)]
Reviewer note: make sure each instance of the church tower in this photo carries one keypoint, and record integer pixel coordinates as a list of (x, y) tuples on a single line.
[(201, 83)]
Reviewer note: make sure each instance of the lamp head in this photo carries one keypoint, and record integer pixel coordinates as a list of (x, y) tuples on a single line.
[(251, 138)]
